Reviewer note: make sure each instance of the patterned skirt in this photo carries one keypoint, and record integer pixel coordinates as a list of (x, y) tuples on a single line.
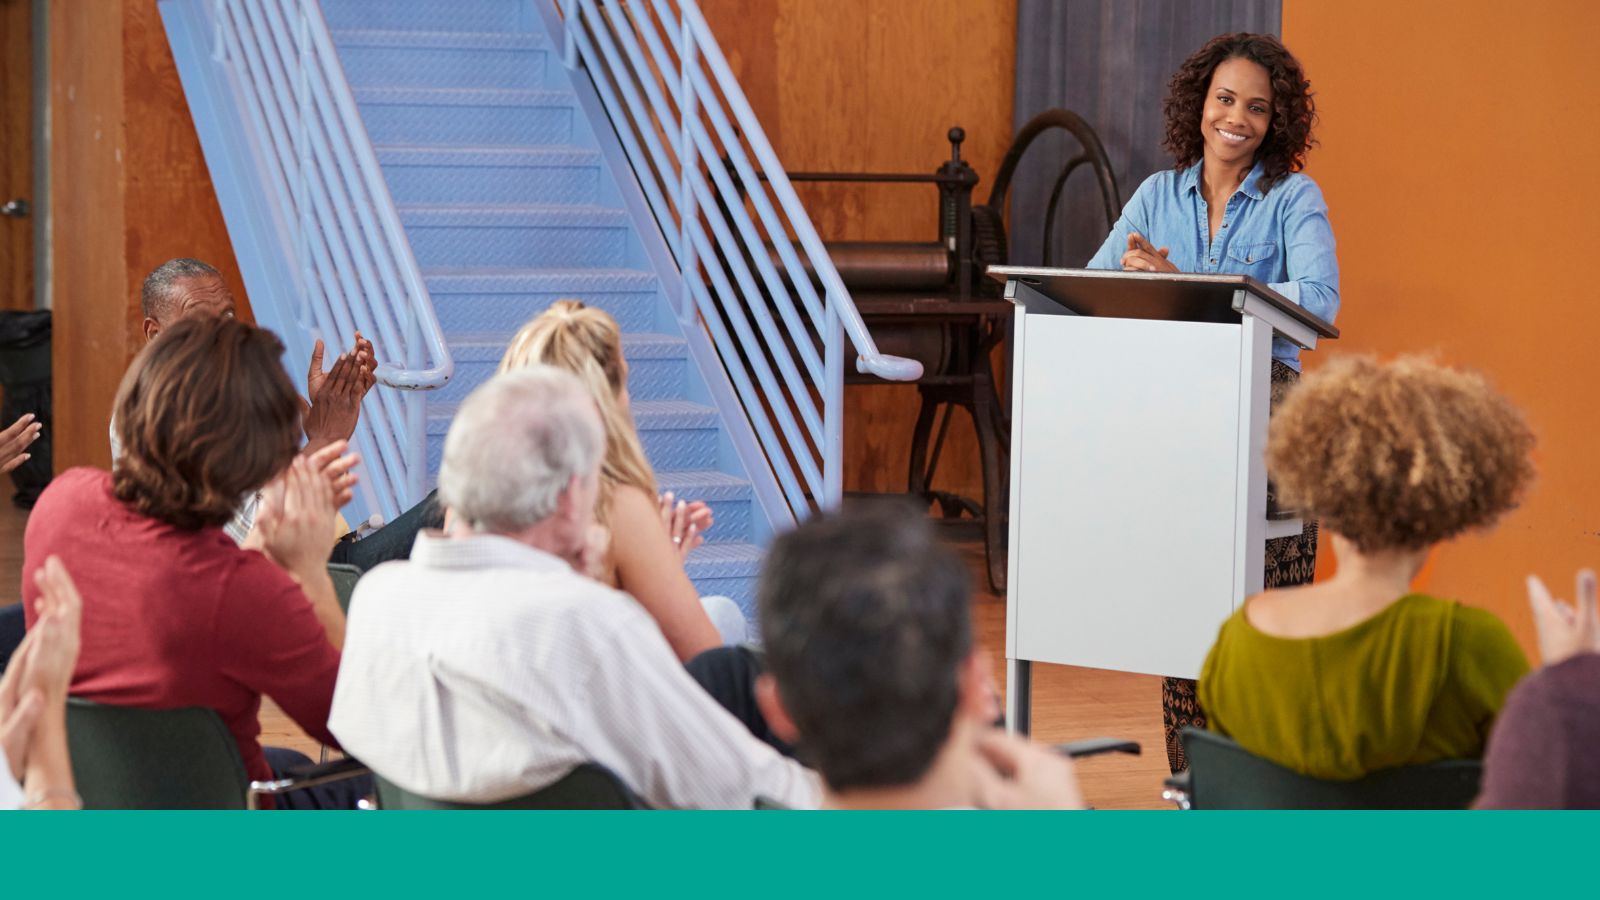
[(1290, 560)]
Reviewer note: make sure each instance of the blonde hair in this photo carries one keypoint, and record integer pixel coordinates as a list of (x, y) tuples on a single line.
[(586, 342), (1399, 455)]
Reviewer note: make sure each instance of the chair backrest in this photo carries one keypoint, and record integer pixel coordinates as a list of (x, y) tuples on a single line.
[(13, 629), (589, 786), (125, 758), (1224, 775), (344, 578)]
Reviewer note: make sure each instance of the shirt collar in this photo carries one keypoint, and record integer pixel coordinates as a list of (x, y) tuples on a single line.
[(1189, 180), (433, 550)]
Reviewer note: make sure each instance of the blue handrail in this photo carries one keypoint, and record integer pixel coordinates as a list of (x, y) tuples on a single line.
[(704, 164), (338, 226)]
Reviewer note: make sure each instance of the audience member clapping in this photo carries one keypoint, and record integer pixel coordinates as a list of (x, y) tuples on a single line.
[(872, 672), (488, 665), (1359, 672), (1541, 754), (642, 557), (176, 613)]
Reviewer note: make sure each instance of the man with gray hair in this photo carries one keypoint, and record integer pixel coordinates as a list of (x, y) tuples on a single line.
[(488, 666)]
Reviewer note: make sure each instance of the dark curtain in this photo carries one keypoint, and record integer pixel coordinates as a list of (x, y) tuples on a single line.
[(1108, 61)]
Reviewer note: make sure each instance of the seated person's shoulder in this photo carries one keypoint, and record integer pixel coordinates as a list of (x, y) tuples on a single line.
[(1480, 629), (632, 506)]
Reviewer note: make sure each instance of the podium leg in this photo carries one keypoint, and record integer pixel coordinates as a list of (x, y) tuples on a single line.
[(1019, 696)]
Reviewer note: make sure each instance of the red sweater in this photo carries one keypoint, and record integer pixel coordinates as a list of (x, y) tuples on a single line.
[(175, 618)]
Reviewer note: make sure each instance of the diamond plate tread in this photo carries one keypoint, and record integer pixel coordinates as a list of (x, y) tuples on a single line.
[(457, 15), (554, 215), (498, 157), (703, 484), (648, 415), (468, 348), (451, 40), (574, 282), (467, 97), (733, 560)]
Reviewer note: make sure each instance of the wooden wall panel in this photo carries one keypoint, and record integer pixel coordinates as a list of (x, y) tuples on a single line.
[(172, 209), (93, 340), (129, 190), (16, 151), (873, 85)]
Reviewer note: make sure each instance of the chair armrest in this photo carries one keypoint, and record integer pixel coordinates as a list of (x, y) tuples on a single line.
[(1097, 746), (305, 777), (1177, 789)]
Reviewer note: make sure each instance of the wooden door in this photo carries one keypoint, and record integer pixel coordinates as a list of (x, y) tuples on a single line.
[(16, 154)]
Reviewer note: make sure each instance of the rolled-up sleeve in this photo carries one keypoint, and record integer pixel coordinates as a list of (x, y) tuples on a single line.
[(1310, 256)]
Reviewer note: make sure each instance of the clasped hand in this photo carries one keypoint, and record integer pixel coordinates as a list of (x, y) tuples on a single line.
[(1143, 256)]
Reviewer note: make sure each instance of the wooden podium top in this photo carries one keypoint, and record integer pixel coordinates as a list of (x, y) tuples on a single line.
[(1174, 297)]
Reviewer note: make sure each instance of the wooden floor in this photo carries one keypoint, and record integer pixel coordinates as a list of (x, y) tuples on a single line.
[(1068, 703)]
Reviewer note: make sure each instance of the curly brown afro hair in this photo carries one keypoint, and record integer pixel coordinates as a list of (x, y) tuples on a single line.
[(1400, 455), (1293, 109)]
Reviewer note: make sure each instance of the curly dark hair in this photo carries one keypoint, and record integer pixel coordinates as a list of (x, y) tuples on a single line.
[(1399, 455), (1294, 111), (205, 415)]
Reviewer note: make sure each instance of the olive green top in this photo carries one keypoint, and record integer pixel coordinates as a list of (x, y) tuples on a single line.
[(1418, 682)]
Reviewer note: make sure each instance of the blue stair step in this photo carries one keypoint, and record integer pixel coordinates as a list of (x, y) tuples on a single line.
[(729, 570), (466, 116), (658, 365), (461, 15), (499, 300), (442, 59), (420, 175), (535, 235), (676, 434)]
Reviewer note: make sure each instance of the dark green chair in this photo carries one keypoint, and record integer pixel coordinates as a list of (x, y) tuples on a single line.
[(344, 578), (589, 786), (1223, 775), (126, 758)]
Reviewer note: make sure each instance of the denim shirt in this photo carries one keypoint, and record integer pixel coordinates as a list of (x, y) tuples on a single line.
[(1281, 237)]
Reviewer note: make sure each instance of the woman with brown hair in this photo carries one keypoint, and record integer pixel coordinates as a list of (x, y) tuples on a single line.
[(1360, 672), (174, 612), (644, 557), (1239, 114)]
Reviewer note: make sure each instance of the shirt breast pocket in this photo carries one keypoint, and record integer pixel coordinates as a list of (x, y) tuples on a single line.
[(1258, 260)]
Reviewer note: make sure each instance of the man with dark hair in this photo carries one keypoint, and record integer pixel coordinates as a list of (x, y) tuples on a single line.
[(872, 672)]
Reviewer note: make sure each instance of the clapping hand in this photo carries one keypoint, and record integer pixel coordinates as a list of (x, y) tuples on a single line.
[(296, 518), (40, 670), (1143, 256), (1564, 631), (686, 522), (336, 395), (14, 442)]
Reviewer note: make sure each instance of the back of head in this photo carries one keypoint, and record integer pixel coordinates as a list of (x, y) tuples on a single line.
[(1399, 455), (865, 623), (205, 416), (587, 342), (516, 443)]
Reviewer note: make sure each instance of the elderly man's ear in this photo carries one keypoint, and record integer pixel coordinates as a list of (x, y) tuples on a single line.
[(773, 710), (151, 329)]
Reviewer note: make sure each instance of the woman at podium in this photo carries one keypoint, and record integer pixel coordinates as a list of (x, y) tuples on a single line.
[(1238, 117)]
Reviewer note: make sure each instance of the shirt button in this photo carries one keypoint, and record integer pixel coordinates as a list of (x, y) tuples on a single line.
[(1213, 260)]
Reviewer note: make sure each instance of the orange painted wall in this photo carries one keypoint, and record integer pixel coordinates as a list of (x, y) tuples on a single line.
[(1458, 159)]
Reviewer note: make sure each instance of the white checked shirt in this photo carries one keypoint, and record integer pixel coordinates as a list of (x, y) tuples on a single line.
[(482, 669)]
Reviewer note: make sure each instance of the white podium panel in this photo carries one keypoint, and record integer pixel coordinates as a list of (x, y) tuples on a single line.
[(1120, 558)]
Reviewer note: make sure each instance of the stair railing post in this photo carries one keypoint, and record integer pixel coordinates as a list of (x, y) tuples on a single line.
[(688, 164), (303, 160), (832, 406), (569, 42)]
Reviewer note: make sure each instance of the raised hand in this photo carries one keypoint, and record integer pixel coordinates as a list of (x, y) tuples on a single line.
[(40, 671), (686, 522), (337, 467), (14, 442), (336, 395), (1143, 256), (1564, 631), (296, 517)]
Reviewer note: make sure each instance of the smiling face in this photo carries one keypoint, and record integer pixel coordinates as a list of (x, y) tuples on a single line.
[(1238, 111)]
